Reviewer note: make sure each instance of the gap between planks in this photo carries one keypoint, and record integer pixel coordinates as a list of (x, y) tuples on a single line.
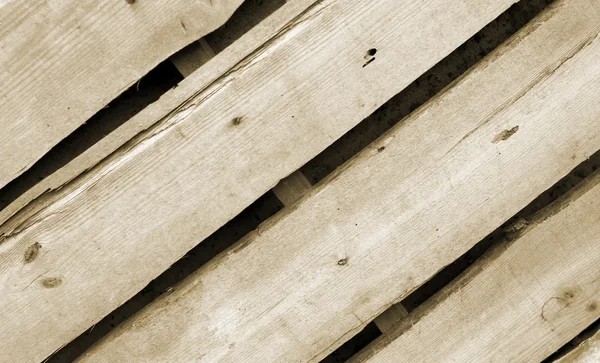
[(290, 189), (453, 189)]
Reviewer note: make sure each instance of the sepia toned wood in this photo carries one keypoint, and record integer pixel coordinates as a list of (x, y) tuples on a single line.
[(586, 352), (520, 303), (192, 57), (62, 61), (291, 188), (227, 59), (393, 216), (109, 232), (392, 316)]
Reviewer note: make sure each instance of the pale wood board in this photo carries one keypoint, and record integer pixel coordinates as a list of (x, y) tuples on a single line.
[(62, 61), (315, 275), (586, 352), (106, 234), (520, 303), (225, 62)]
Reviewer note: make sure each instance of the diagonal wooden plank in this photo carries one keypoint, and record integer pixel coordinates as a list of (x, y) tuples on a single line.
[(109, 232), (62, 61), (393, 216), (227, 59), (520, 303), (586, 352)]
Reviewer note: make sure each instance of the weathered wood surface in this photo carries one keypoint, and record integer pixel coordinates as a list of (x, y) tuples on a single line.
[(105, 235), (394, 215), (524, 300), (227, 60), (62, 61), (587, 352)]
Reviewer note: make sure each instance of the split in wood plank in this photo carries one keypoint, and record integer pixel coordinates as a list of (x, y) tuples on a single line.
[(213, 155), (393, 216), (64, 61), (520, 303), (228, 59)]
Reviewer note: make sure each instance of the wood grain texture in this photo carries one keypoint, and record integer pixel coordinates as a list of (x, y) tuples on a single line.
[(106, 234), (393, 216), (586, 352), (520, 303), (226, 60), (62, 61)]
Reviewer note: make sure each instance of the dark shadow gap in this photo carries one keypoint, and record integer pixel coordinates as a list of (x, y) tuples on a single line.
[(149, 89), (247, 221), (414, 96), (423, 89), (354, 345), (502, 234), (575, 342)]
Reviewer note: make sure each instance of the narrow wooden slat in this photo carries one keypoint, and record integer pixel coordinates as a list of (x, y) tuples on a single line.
[(227, 60), (290, 189), (520, 303), (189, 59), (393, 216), (586, 352), (392, 316), (62, 61), (105, 235)]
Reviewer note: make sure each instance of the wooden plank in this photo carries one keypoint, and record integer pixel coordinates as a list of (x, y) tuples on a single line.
[(394, 215), (586, 352), (62, 61), (520, 303), (289, 189), (226, 61), (109, 232)]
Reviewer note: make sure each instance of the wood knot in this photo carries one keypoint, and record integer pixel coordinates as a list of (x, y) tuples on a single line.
[(52, 282), (592, 307), (381, 149), (237, 121), (343, 262), (31, 252), (505, 135), (130, 1)]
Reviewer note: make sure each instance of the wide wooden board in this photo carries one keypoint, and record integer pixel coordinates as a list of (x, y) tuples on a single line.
[(106, 234), (520, 303), (61, 61), (309, 279)]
